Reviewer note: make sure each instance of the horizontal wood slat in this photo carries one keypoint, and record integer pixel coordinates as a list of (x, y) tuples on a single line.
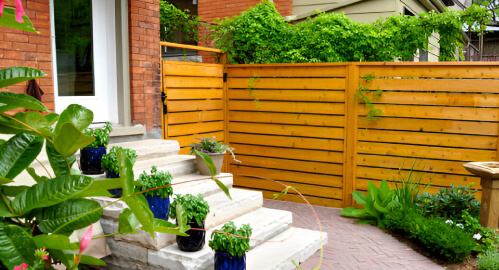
[(288, 83), (181, 94), (287, 130), (298, 199), (188, 139), (291, 107), (289, 153), (192, 82), (435, 85), (194, 105), (439, 98), (432, 71), (290, 71), (286, 141), (178, 130), (289, 95), (192, 69), (193, 117), (288, 118)]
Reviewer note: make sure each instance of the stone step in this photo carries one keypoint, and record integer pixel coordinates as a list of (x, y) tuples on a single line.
[(177, 165), (221, 210), (150, 148), (266, 224)]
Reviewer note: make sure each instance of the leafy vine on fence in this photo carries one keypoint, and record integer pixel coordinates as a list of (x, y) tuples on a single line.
[(362, 94)]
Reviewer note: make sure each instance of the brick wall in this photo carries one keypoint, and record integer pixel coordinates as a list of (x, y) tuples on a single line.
[(145, 80), (19, 48)]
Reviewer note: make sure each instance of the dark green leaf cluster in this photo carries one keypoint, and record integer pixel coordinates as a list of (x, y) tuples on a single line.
[(489, 260), (154, 180), (110, 160), (211, 146), (438, 238), (196, 207), (260, 35), (450, 203), (173, 19), (230, 239), (378, 202), (489, 238), (101, 135)]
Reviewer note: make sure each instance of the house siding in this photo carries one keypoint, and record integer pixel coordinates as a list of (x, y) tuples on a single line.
[(19, 48)]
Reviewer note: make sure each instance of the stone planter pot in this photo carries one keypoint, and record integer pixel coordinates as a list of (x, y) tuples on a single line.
[(218, 160), (225, 261), (116, 192), (90, 159), (195, 240), (159, 207)]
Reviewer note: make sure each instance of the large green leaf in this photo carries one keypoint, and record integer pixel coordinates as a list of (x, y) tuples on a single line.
[(164, 226), (4, 180), (128, 222), (384, 190), (8, 19), (372, 191), (57, 161), (359, 197), (14, 101), (70, 215), (70, 139), (181, 218), (4, 210), (54, 241), (13, 191), (31, 122), (16, 246), (51, 192), (18, 153), (35, 176), (209, 162), (80, 116), (223, 187), (355, 212)]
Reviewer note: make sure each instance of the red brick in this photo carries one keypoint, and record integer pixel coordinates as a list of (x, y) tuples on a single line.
[(15, 37)]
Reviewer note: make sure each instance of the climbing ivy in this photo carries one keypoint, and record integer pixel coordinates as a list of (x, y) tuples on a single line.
[(260, 35), (362, 94), (173, 19)]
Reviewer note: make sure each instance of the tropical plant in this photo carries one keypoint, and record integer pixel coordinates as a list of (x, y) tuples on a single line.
[(173, 19), (209, 146), (110, 160), (151, 182), (449, 203), (378, 202), (195, 207), (231, 239), (101, 135), (260, 35)]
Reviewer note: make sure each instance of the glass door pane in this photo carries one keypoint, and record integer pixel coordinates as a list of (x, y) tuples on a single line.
[(74, 52)]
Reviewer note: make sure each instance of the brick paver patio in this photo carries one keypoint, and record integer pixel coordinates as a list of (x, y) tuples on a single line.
[(352, 246)]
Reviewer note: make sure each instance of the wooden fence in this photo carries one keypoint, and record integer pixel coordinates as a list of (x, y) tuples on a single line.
[(303, 125)]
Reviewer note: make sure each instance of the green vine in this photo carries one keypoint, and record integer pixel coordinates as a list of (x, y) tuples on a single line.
[(251, 88), (362, 94), (173, 19)]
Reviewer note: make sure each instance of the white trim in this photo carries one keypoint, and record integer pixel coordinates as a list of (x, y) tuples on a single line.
[(54, 51)]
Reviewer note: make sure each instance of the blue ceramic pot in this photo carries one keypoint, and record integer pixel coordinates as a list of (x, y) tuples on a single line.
[(159, 207), (90, 159), (225, 261), (116, 192), (195, 240)]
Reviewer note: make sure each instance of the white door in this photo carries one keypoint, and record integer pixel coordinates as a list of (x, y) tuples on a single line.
[(84, 51)]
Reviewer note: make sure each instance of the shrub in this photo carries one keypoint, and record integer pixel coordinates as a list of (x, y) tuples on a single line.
[(485, 237), (434, 235), (110, 160), (230, 239), (450, 203), (101, 135), (154, 180), (195, 207), (489, 260)]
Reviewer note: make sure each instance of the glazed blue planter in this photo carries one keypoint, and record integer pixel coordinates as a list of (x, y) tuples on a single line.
[(159, 207), (116, 192), (225, 261), (195, 240), (90, 159)]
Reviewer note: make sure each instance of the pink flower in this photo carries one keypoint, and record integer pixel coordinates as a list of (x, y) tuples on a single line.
[(1, 7), (24, 266), (45, 257), (19, 11), (17, 268), (85, 240)]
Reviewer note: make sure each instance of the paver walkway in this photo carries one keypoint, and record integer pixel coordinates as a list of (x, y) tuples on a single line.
[(352, 246)]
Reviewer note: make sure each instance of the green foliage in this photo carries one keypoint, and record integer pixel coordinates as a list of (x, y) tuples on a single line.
[(374, 113), (486, 238), (208, 146), (260, 35), (407, 188), (101, 135), (438, 238), (230, 239), (154, 180), (489, 260), (110, 160), (378, 202), (195, 207), (8, 19), (449, 203), (173, 19)]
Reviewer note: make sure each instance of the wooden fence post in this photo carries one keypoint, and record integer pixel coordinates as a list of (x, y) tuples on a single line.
[(351, 127), (225, 102)]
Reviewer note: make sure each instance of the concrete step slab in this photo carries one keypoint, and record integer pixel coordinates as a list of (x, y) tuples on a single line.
[(266, 224), (279, 253), (177, 165), (151, 148), (220, 211)]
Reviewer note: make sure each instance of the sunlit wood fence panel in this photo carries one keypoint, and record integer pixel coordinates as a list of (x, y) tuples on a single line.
[(287, 123), (435, 116), (194, 101)]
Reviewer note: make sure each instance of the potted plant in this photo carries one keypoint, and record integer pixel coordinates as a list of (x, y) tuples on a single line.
[(158, 199), (91, 155), (197, 209), (109, 163), (215, 150), (230, 245)]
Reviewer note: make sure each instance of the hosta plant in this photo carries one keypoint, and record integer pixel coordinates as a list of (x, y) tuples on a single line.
[(377, 203)]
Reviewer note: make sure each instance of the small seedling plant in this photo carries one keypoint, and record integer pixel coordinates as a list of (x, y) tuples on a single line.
[(110, 160), (208, 146), (196, 207), (231, 239), (154, 180), (101, 135)]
